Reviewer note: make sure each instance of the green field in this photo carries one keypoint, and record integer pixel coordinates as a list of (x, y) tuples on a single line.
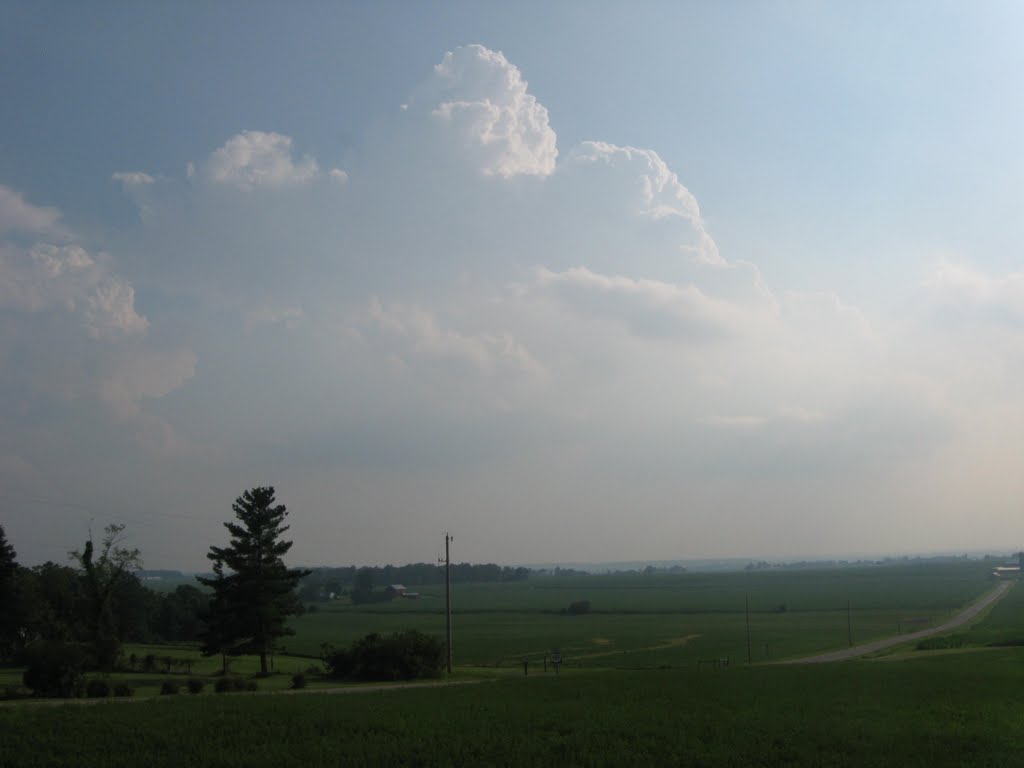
[(938, 711), (659, 620), (631, 692)]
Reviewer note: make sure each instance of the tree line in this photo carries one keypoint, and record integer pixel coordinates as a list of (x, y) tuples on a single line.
[(81, 614), (330, 583), (93, 603)]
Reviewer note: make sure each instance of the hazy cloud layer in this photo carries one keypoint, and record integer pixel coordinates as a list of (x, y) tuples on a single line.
[(476, 329)]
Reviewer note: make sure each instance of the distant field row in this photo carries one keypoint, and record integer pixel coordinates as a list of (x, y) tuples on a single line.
[(665, 619)]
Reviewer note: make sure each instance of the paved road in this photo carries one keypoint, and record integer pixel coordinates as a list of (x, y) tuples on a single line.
[(860, 650)]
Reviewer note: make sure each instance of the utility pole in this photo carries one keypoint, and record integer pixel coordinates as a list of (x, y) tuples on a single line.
[(849, 625), (746, 602), (448, 597)]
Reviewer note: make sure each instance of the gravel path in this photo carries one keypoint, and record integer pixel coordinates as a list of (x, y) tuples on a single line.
[(877, 645)]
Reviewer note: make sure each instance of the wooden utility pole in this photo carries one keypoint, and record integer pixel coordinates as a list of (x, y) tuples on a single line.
[(448, 597), (849, 625), (746, 602)]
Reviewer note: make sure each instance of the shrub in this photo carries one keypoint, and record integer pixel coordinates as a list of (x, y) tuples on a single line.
[(223, 685), (578, 608), (401, 656), (123, 689), (941, 642), (169, 687), (97, 689), (14, 692), (55, 670), (298, 680), (195, 685), (235, 685), (149, 663)]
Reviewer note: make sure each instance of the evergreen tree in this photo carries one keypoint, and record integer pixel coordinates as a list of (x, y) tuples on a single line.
[(221, 633), (10, 613), (252, 601)]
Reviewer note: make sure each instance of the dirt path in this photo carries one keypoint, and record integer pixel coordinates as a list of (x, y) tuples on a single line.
[(877, 645)]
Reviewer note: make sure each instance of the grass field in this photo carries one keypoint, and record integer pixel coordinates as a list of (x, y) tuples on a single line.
[(960, 710), (665, 619), (630, 694)]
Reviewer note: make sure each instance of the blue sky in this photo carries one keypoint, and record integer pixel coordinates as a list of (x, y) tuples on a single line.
[(593, 281)]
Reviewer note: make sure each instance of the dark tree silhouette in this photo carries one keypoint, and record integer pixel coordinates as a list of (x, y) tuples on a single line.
[(253, 592), (103, 573), (10, 613)]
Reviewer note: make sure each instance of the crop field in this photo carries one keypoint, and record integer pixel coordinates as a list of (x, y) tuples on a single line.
[(665, 619), (935, 711), (631, 691)]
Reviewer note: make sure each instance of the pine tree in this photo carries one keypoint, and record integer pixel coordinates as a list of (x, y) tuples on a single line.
[(10, 615), (253, 599)]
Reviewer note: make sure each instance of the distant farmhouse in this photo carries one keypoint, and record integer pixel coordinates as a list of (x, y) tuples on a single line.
[(399, 590)]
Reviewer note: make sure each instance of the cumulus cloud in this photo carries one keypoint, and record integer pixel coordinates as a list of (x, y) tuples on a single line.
[(17, 215), (145, 373), (75, 349), (254, 159), (970, 292), (648, 187), (408, 334), (67, 277), (484, 100), (569, 313), (133, 178), (648, 307)]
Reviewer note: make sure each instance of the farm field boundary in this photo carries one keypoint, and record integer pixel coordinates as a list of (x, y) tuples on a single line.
[(879, 645)]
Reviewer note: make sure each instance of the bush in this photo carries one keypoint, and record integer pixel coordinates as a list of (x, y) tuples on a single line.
[(123, 689), (97, 689), (401, 656), (13, 692), (224, 685), (195, 685), (55, 670), (941, 642), (169, 688), (578, 608), (235, 685), (298, 680)]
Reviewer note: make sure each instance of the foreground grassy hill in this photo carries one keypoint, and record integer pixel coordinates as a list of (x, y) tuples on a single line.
[(629, 695), (949, 710)]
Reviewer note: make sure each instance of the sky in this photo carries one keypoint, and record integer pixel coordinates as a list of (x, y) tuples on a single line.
[(575, 281)]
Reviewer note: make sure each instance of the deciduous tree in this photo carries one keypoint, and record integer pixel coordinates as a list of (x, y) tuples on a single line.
[(103, 573)]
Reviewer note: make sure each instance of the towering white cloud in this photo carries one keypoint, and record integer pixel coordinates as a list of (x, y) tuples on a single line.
[(648, 187), (467, 314), (484, 100)]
